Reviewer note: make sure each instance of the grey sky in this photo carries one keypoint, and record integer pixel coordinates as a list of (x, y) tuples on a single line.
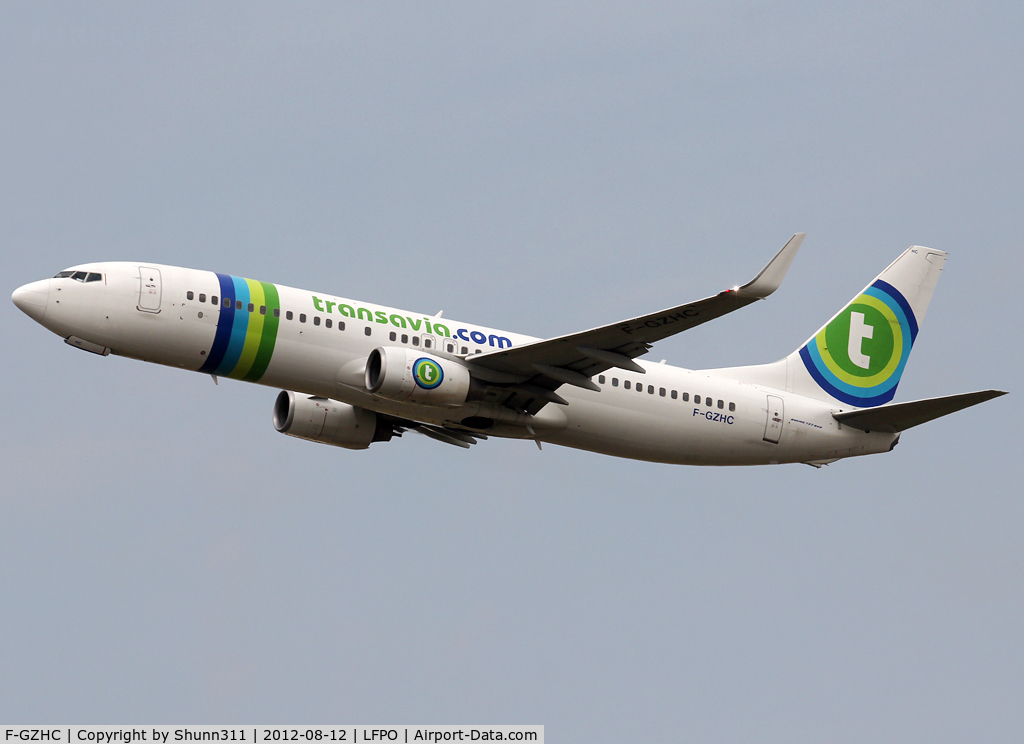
[(168, 557)]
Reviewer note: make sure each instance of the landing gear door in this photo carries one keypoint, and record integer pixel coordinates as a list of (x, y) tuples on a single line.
[(150, 289), (776, 415)]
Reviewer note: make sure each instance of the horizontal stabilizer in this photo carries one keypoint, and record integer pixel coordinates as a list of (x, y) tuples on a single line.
[(898, 417)]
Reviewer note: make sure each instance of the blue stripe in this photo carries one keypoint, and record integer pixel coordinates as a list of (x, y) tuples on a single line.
[(902, 302), (224, 323), (239, 326)]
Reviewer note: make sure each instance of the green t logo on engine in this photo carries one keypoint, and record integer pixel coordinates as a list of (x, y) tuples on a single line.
[(427, 373)]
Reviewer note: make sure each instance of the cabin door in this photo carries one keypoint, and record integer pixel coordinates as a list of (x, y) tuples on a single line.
[(773, 427), (150, 289)]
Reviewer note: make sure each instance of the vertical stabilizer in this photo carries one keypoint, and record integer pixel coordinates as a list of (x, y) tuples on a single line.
[(858, 357)]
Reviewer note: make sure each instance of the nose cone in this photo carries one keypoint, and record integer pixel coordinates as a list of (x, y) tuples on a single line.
[(31, 299)]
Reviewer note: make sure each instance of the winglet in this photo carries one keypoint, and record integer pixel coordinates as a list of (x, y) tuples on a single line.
[(771, 275)]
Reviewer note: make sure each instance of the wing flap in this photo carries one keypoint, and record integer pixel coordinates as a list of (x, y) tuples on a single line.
[(897, 417)]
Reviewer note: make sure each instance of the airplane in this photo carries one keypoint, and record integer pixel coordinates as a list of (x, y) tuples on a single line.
[(354, 373)]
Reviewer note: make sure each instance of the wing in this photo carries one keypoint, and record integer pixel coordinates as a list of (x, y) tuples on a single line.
[(532, 373)]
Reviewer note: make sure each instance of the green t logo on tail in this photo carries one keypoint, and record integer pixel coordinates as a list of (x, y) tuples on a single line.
[(859, 356)]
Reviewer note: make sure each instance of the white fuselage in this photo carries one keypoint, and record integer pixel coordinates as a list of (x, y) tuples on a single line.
[(172, 316)]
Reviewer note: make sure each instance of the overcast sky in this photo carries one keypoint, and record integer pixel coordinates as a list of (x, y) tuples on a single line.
[(167, 557)]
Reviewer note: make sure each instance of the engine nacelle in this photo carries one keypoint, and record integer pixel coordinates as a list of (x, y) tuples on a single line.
[(416, 376), (328, 421)]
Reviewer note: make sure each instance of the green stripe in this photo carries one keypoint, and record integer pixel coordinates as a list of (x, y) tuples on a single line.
[(253, 332), (269, 336)]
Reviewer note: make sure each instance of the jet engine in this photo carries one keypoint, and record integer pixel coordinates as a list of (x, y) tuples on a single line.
[(416, 377), (328, 421)]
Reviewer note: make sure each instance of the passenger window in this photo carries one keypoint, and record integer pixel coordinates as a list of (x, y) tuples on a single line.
[(661, 392), (316, 320), (732, 406), (393, 336), (615, 382), (289, 315), (78, 276), (426, 343), (465, 350), (405, 338), (415, 340), (696, 399), (327, 322), (626, 384), (189, 295), (213, 300), (600, 379), (227, 302), (650, 389), (341, 325), (238, 304), (450, 348), (202, 297), (251, 307), (721, 404), (302, 317), (639, 388), (367, 330), (708, 401), (97, 277), (277, 312), (675, 394), (263, 309), (200, 313), (686, 397)]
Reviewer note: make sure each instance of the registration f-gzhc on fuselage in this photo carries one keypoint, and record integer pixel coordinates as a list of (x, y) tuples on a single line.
[(354, 373)]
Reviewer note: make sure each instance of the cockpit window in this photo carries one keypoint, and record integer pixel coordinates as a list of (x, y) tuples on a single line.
[(64, 274), (79, 276), (93, 277)]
